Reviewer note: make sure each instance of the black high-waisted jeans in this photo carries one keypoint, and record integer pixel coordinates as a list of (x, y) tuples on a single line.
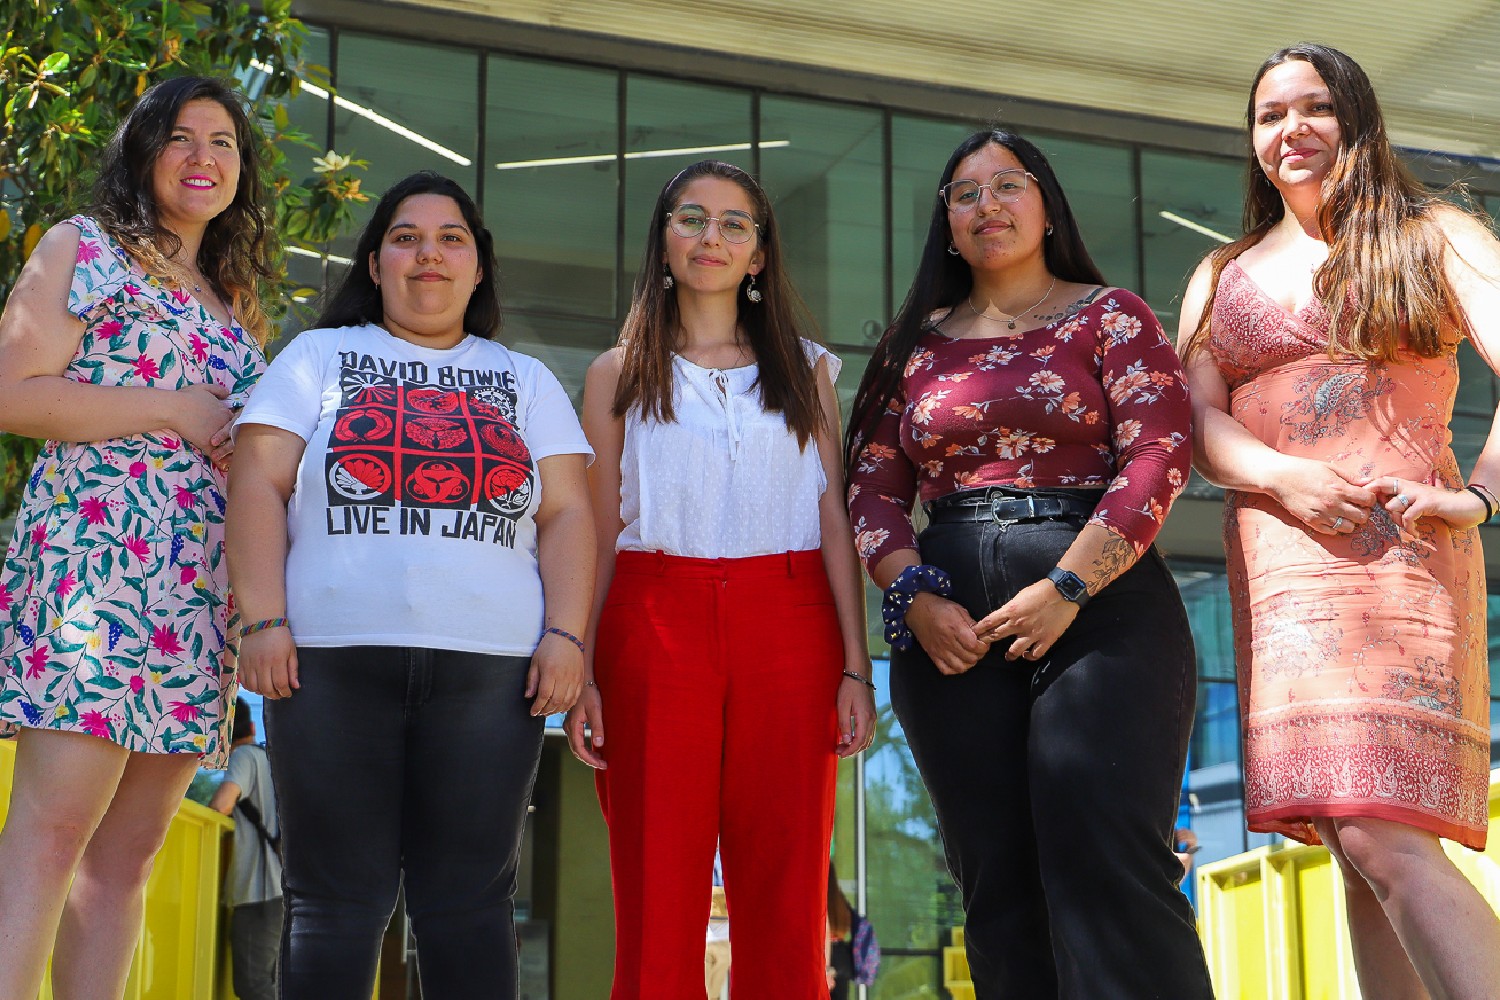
[(391, 761), (1056, 782)]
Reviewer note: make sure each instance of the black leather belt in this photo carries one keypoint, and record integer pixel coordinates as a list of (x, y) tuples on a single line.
[(1007, 507)]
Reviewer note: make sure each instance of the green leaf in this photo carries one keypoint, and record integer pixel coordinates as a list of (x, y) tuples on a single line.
[(55, 63)]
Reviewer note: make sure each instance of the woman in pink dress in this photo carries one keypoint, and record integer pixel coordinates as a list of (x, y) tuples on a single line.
[(129, 336), (1321, 351)]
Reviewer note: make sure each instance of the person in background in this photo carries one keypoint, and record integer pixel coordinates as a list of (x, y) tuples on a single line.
[(411, 546), (1041, 665), (728, 595), (130, 334), (1185, 845), (1322, 350), (716, 954), (256, 914), (840, 939)]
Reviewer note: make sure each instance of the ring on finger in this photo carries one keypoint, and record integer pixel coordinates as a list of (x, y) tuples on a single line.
[(1338, 523), (1403, 499)]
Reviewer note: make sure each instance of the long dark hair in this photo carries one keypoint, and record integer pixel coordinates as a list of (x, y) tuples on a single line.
[(774, 326), (357, 300), (944, 279), (239, 246), (1385, 245)]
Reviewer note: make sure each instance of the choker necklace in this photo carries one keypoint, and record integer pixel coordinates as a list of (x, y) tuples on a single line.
[(1011, 323)]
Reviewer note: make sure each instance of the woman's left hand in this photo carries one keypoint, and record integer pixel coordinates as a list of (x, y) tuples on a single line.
[(856, 713), (1037, 617), (1408, 501), (556, 676)]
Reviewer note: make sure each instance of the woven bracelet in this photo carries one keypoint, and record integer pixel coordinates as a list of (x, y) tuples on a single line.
[(554, 630), (262, 625)]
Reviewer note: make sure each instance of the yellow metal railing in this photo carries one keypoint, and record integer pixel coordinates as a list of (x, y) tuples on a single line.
[(180, 952)]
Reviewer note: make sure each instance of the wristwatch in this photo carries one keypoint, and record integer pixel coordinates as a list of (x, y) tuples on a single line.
[(1069, 586)]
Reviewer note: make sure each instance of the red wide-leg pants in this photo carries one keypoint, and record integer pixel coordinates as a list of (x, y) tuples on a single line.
[(718, 679)]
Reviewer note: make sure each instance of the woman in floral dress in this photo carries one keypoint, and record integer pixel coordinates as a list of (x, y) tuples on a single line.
[(1355, 572), (129, 338), (1041, 663)]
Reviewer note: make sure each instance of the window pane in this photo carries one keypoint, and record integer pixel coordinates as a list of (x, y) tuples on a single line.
[(566, 346), (826, 186), (553, 217), (406, 106), (669, 125), (1100, 184), (919, 149), (913, 903), (1191, 206)]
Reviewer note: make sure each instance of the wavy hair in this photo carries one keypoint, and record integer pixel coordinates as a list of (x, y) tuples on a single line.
[(357, 300), (239, 246), (1384, 275), (774, 326), (944, 279)]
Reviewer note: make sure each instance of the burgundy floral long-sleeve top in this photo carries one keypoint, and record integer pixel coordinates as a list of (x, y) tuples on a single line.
[(1094, 400)]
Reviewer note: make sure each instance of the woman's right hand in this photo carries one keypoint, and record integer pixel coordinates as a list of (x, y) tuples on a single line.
[(204, 419), (1319, 495), (268, 663), (946, 631), (587, 713)]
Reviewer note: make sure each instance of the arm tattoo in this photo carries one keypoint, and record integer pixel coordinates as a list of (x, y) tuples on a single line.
[(1115, 558)]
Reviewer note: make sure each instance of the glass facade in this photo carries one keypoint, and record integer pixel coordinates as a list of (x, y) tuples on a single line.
[(566, 160)]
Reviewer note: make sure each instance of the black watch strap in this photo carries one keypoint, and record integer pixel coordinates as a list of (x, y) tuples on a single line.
[(1069, 586)]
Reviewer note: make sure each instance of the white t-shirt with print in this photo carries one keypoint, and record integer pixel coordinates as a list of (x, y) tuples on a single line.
[(412, 519)]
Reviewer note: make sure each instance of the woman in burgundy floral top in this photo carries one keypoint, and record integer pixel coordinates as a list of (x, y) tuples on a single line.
[(1041, 663)]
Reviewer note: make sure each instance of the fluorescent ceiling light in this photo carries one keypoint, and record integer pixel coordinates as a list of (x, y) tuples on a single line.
[(304, 252), (644, 154), (378, 119), (1195, 227)]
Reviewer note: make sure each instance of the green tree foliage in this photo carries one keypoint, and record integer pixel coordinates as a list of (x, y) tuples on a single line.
[(69, 69)]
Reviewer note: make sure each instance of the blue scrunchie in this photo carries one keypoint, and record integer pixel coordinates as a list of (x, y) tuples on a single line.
[(913, 580)]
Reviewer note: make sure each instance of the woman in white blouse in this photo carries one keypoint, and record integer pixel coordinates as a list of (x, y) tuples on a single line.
[(728, 636)]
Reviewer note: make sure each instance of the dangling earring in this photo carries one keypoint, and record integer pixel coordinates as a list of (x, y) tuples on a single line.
[(752, 293), (953, 249), (1049, 229), (666, 277)]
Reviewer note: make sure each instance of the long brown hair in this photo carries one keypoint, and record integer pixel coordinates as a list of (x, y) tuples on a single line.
[(1384, 274), (943, 280), (239, 246), (774, 326)]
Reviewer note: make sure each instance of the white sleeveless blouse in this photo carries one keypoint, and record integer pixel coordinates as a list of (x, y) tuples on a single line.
[(725, 479)]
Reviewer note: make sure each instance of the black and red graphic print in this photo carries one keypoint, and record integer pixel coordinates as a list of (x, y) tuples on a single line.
[(407, 435)]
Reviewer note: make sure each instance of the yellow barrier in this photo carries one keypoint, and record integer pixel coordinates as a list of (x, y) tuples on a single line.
[(1272, 920), (179, 952)]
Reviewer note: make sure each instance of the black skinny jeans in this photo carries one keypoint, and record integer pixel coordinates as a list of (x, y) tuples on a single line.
[(1056, 782), (391, 761)]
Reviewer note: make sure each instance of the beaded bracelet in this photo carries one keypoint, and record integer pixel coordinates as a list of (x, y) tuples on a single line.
[(554, 630), (867, 682), (1485, 497), (262, 625), (912, 581)]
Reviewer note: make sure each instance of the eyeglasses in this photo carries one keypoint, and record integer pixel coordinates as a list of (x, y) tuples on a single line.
[(1007, 186), (736, 227)]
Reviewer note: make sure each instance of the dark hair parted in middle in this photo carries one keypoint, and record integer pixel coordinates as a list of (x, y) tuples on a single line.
[(357, 300), (774, 326), (1384, 278), (943, 279), (238, 248)]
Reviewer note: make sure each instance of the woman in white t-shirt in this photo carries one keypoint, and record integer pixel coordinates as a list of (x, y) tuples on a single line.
[(412, 551), (731, 658)]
